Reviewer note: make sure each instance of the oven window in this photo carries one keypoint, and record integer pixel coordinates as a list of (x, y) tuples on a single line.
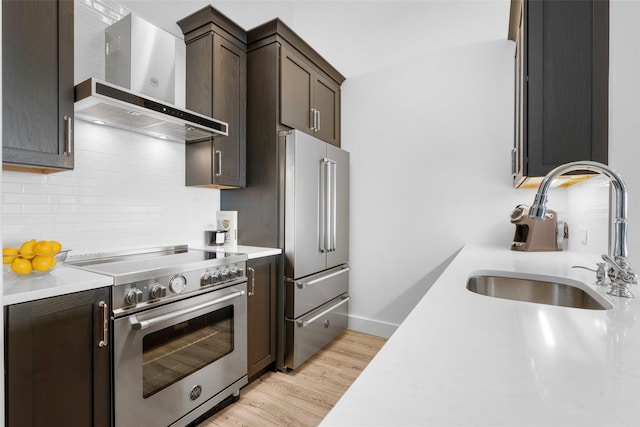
[(172, 353)]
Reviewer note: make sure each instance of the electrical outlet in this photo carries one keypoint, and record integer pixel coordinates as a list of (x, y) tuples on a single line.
[(584, 236)]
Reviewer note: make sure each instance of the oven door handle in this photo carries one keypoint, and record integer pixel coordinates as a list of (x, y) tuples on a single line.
[(144, 324)]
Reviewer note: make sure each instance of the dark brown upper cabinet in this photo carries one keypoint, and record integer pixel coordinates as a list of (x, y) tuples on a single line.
[(562, 77), (216, 85), (37, 85), (310, 101), (308, 87)]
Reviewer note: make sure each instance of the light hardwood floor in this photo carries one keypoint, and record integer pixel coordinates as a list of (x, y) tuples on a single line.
[(302, 397)]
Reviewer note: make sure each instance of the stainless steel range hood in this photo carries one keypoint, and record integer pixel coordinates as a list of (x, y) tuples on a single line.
[(108, 104)]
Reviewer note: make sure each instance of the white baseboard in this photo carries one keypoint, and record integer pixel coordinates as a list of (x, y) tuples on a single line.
[(371, 327)]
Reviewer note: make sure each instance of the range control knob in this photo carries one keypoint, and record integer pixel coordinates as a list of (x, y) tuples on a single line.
[(178, 282), (209, 278), (133, 296), (158, 291)]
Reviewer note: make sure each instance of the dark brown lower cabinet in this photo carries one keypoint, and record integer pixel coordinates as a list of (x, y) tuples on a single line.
[(261, 309), (56, 368)]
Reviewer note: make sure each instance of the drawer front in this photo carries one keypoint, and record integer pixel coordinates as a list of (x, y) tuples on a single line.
[(308, 334), (306, 294)]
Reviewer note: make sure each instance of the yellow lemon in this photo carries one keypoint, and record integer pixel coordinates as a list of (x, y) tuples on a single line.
[(9, 254), (44, 248), (43, 262), (21, 266), (26, 250), (57, 247)]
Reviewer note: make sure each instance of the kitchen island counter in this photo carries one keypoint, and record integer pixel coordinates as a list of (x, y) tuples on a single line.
[(61, 280), (461, 358)]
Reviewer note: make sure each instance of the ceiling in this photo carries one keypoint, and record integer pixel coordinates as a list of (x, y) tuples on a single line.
[(355, 36)]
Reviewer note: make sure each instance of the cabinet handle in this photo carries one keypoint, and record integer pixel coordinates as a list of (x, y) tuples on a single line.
[(68, 135), (312, 119), (219, 170), (318, 121), (253, 282), (104, 308)]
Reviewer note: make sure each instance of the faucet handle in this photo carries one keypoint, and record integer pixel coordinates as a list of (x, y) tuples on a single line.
[(620, 269)]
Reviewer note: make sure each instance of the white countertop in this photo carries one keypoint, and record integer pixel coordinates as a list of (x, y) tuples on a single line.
[(65, 280), (59, 281), (466, 359)]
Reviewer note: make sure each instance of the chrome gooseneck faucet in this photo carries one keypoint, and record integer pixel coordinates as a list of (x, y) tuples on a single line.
[(619, 271)]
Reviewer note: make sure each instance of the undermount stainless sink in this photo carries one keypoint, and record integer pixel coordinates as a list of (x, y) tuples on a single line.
[(536, 288)]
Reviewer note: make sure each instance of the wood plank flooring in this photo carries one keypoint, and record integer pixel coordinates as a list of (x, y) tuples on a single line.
[(305, 396)]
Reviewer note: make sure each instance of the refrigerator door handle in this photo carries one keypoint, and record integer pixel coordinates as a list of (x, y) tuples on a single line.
[(323, 210), (334, 192), (326, 206), (329, 204)]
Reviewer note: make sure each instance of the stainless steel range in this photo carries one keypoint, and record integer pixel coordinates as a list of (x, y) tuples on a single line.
[(180, 332)]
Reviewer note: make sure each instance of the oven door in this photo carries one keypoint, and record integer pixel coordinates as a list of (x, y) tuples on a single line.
[(171, 360)]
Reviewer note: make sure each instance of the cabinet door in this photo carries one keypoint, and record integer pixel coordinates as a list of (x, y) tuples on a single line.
[(296, 82), (56, 372), (326, 99), (261, 308), (229, 105), (216, 87), (567, 85), (37, 85)]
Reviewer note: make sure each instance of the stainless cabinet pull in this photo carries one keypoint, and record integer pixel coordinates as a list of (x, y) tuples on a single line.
[(68, 135), (253, 282), (314, 119), (144, 324), (219, 169), (318, 121), (303, 285), (104, 308), (303, 323)]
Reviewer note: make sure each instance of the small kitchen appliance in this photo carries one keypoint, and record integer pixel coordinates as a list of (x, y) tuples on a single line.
[(179, 332), (534, 235)]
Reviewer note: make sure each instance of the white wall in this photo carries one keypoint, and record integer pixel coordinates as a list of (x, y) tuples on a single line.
[(430, 143), (624, 111), (430, 140)]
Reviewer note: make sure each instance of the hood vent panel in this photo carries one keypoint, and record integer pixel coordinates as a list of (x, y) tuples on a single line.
[(105, 103)]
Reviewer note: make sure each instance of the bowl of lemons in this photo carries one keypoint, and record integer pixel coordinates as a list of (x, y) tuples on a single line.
[(34, 256)]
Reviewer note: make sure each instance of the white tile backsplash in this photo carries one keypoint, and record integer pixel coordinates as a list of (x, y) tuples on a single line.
[(127, 190), (588, 214)]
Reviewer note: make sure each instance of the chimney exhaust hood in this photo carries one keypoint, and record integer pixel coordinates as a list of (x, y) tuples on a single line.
[(138, 93), (110, 105)]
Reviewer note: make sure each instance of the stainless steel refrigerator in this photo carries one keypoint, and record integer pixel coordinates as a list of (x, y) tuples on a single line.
[(314, 180)]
